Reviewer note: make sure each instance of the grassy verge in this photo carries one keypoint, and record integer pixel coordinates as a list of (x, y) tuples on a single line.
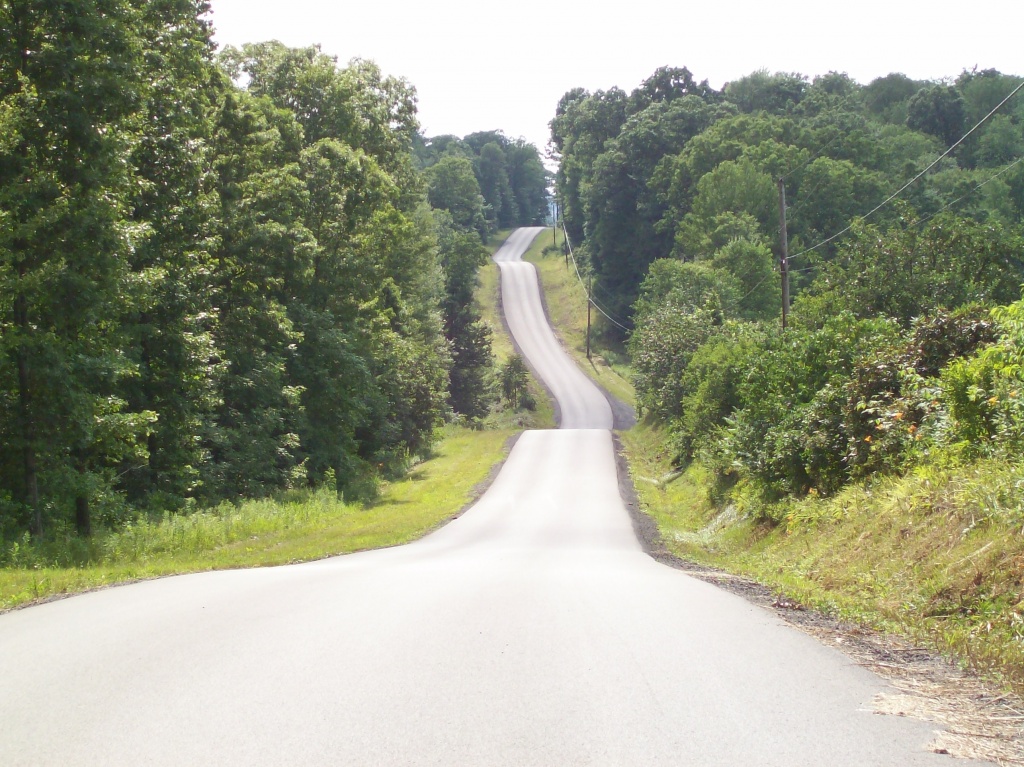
[(567, 307), (296, 528), (937, 556)]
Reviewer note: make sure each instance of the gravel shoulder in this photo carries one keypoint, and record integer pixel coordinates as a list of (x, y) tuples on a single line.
[(978, 720)]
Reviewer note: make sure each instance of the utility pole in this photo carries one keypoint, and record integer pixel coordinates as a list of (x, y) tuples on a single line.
[(590, 290), (554, 223), (784, 259)]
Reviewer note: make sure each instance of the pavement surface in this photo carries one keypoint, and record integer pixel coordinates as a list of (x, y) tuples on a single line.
[(533, 630)]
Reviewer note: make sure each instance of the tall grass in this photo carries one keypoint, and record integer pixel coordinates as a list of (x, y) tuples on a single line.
[(178, 534), (297, 526)]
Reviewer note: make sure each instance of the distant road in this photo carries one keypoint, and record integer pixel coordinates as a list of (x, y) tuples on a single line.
[(533, 630), (581, 405)]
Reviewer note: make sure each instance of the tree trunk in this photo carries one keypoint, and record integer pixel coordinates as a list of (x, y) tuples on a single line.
[(83, 517)]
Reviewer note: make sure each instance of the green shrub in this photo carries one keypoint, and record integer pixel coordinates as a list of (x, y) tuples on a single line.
[(661, 347), (709, 387), (785, 436)]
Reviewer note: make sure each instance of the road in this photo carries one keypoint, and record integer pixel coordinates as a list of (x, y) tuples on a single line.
[(533, 630)]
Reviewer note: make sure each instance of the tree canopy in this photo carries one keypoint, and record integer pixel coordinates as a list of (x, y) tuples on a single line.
[(905, 319), (221, 275)]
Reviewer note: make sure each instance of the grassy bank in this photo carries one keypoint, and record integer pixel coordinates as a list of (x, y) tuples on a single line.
[(566, 302), (296, 528), (937, 556)]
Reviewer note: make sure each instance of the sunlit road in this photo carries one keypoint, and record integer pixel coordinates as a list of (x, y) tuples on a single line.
[(531, 631)]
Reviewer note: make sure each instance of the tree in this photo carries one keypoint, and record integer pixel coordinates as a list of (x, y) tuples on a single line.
[(582, 125), (529, 181), (887, 97), (452, 186), (255, 445), (832, 193), (469, 337), (356, 104), (668, 84), (514, 379), (492, 174), (69, 81), (905, 272), (1001, 143), (623, 208), (937, 110), (734, 187), (762, 91), (169, 330)]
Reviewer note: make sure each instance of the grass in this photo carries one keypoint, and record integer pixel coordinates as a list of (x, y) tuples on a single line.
[(937, 555), (566, 302), (296, 528)]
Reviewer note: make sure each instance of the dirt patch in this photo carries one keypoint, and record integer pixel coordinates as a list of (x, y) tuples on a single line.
[(979, 720)]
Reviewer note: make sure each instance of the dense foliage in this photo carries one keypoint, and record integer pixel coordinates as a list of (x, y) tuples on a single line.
[(904, 343), (677, 169), (486, 180), (211, 291)]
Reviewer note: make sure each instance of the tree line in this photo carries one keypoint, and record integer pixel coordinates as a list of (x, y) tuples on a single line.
[(220, 275), (905, 338), (488, 181)]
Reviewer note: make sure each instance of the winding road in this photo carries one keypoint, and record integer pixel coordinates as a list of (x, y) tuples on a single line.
[(533, 630)]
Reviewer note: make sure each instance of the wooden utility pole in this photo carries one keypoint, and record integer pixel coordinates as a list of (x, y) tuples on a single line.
[(784, 259), (590, 290)]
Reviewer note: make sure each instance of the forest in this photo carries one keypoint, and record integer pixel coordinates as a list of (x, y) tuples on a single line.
[(224, 274), (904, 209)]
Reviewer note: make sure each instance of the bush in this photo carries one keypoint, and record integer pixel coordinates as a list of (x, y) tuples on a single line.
[(709, 387), (661, 347), (784, 436), (515, 379)]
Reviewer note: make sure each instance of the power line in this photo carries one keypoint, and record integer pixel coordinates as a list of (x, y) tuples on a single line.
[(750, 292), (963, 197), (912, 181), (945, 207), (590, 298)]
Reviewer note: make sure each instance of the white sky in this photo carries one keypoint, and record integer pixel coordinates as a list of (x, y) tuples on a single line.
[(483, 66)]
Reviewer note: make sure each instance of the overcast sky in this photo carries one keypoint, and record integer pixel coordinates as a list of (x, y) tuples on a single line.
[(486, 65)]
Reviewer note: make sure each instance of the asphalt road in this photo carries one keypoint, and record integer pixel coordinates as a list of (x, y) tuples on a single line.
[(533, 630)]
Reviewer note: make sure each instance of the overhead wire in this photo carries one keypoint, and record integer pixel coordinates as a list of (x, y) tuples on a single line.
[(914, 180), (963, 197), (945, 207), (846, 229), (750, 292), (587, 292)]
